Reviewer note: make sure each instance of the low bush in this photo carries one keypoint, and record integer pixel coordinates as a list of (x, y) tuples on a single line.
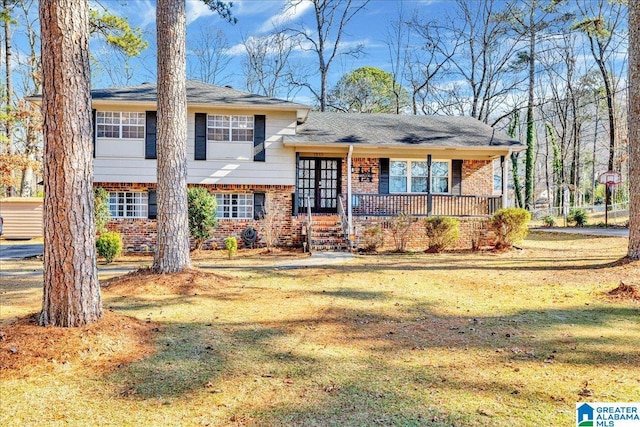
[(549, 221), (373, 238), (231, 243), (510, 226), (579, 216), (400, 226), (442, 232), (109, 245)]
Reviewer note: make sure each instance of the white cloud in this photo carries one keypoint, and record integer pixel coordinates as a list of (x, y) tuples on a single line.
[(285, 16), (197, 9)]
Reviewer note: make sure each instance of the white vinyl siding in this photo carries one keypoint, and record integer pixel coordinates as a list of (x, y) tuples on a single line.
[(120, 125), (410, 176), (119, 160), (222, 128), (235, 206), (128, 204)]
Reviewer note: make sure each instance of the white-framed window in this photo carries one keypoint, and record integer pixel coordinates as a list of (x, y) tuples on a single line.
[(128, 204), (410, 176), (121, 125), (229, 128), (236, 206), (440, 176)]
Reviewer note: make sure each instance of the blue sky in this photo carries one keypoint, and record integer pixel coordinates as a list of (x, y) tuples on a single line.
[(256, 18)]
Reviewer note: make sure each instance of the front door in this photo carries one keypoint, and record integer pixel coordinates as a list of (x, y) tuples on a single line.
[(318, 184)]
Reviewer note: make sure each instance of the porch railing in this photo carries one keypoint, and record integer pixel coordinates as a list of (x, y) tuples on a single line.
[(424, 205), (344, 220)]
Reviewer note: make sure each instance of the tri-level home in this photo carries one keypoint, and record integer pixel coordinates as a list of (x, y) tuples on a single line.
[(341, 172)]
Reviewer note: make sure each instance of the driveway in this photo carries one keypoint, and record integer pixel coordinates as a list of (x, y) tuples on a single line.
[(589, 231), (21, 251)]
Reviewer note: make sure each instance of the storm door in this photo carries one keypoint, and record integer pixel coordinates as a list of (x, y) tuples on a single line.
[(318, 184)]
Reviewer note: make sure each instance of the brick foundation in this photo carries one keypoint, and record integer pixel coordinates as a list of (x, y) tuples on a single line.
[(140, 234), (474, 233)]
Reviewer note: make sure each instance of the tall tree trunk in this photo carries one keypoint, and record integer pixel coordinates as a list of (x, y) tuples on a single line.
[(634, 130), (71, 291), (172, 252), (8, 128), (530, 163)]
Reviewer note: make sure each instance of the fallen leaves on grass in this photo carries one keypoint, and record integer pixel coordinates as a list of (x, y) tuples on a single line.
[(27, 349), (624, 291)]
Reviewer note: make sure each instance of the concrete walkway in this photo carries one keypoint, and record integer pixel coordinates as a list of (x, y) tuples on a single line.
[(588, 231)]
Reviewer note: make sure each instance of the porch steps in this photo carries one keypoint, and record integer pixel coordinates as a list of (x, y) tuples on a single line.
[(326, 234)]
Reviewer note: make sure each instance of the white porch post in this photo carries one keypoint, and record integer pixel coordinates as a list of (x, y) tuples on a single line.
[(505, 184), (349, 197)]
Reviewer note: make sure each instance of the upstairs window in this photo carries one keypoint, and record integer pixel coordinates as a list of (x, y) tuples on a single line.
[(229, 128), (120, 125)]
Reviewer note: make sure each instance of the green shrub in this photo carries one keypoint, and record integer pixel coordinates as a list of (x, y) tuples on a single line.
[(231, 243), (101, 211), (109, 245), (442, 232), (549, 221), (510, 225), (202, 214), (579, 216), (373, 238)]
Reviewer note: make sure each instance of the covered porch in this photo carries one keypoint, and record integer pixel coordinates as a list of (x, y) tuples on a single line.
[(422, 204)]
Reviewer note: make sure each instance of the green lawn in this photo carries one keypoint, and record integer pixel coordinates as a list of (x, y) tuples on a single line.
[(463, 339)]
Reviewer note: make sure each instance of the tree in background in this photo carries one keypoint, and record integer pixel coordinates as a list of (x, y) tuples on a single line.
[(367, 90), (634, 130), (267, 65), (211, 58), (22, 120), (331, 18), (71, 290), (601, 22)]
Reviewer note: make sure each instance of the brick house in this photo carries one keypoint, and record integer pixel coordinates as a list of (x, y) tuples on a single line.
[(348, 171)]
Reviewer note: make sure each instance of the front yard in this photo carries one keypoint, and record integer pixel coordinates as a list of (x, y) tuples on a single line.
[(463, 339)]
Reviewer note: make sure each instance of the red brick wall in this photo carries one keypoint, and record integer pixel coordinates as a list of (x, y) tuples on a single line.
[(140, 234), (474, 232), (477, 177)]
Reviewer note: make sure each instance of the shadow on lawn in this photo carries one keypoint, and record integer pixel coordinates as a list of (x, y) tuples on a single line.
[(190, 355)]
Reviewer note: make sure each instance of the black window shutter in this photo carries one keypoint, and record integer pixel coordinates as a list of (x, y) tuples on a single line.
[(201, 137), (258, 205), (150, 136), (152, 204), (259, 135), (93, 133), (383, 179), (456, 177)]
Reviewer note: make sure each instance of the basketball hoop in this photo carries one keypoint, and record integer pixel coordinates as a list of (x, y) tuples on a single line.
[(610, 178)]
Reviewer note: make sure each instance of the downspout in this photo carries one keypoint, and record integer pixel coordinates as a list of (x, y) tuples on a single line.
[(349, 196), (505, 184)]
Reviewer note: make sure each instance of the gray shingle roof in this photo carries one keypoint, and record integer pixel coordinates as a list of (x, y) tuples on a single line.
[(197, 93), (399, 130)]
